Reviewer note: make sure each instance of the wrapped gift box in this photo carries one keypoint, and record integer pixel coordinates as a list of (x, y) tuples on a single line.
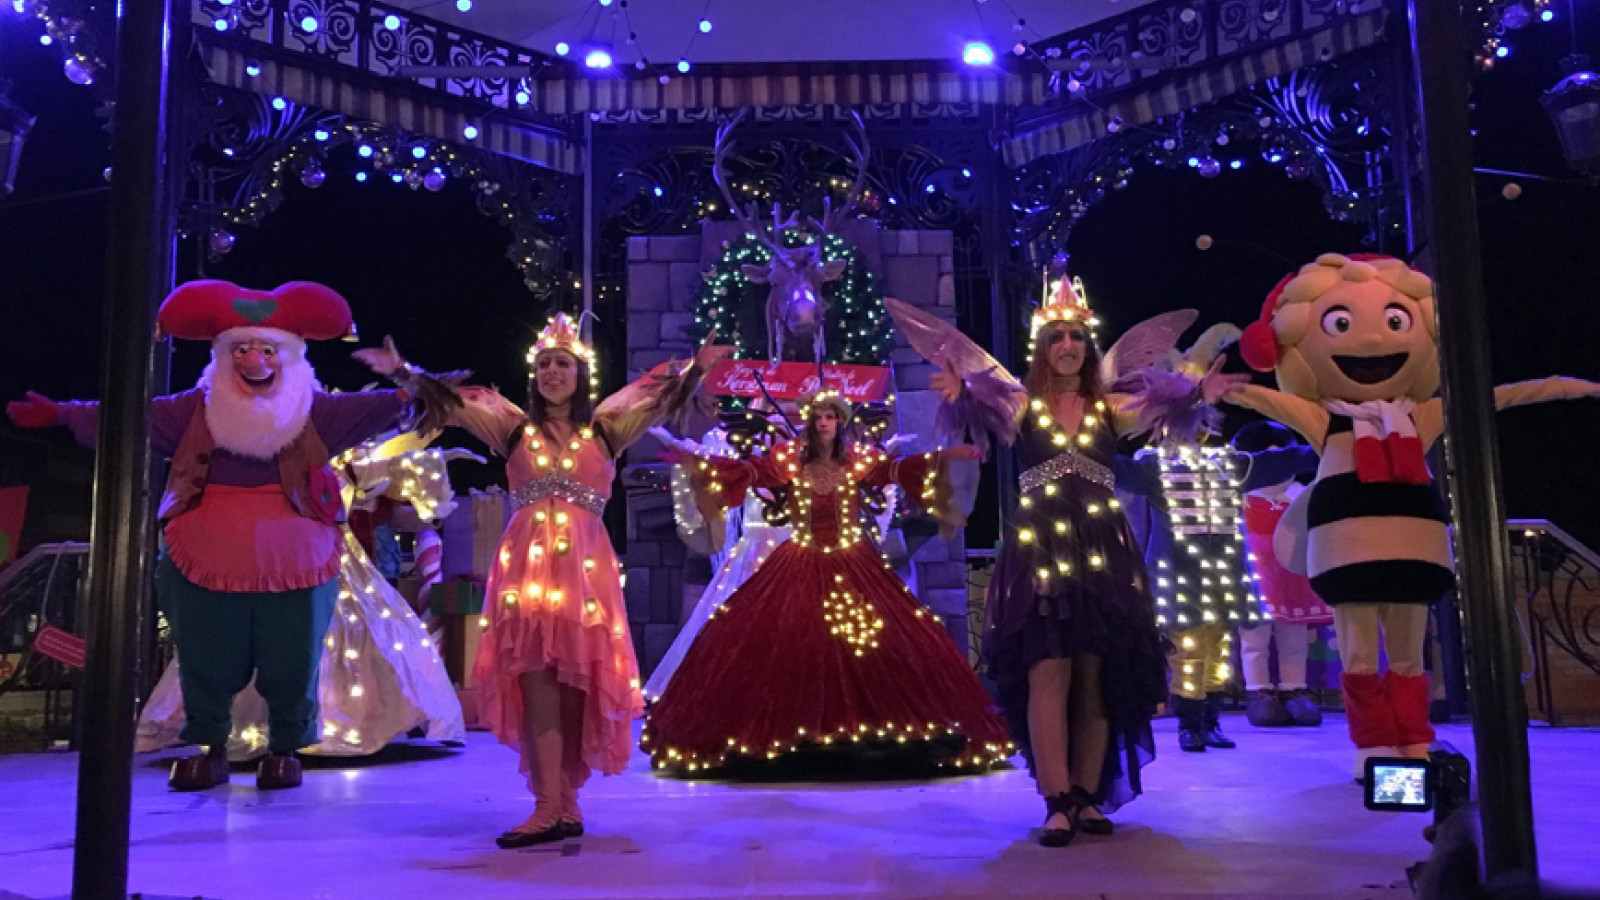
[(461, 597), (458, 605)]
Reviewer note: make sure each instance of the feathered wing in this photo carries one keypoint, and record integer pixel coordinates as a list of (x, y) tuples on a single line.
[(943, 344), (1147, 343), (993, 400)]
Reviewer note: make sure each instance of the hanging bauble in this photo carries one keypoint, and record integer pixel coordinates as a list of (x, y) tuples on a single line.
[(433, 181), (221, 242), (78, 70), (413, 180), (1297, 170), (1209, 167), (1517, 15), (312, 176)]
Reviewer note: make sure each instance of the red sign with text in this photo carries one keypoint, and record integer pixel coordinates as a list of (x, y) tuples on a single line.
[(793, 380)]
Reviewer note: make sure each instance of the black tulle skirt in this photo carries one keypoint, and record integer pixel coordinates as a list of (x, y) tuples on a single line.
[(1070, 581)]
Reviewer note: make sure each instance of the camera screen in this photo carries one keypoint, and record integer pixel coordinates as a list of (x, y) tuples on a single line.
[(1400, 785)]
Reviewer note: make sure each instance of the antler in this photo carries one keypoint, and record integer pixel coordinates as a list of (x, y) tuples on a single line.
[(746, 216), (861, 149)]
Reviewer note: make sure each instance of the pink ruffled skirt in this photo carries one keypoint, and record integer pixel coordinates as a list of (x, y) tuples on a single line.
[(554, 601)]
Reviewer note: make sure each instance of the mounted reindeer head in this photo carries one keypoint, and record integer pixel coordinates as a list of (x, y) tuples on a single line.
[(795, 306)]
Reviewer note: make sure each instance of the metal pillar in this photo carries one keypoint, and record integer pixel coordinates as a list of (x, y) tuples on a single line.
[(121, 545), (590, 224), (997, 217), (1499, 714)]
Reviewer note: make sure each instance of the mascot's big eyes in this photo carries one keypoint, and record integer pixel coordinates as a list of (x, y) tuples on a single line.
[(1398, 320), (1336, 321)]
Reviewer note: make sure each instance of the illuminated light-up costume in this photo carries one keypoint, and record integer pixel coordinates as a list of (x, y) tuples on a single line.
[(1190, 522), (824, 647), (749, 539), (752, 531), (381, 675), (1070, 590), (554, 593), (1203, 585)]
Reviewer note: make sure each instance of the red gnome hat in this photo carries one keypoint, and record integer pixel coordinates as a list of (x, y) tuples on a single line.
[(204, 310)]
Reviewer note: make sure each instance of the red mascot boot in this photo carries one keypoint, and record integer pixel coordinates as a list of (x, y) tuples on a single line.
[(1409, 698), (1373, 728)]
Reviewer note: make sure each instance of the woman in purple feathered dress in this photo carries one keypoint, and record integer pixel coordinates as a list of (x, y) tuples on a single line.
[(1070, 634)]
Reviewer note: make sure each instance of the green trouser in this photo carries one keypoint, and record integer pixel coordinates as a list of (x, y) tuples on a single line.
[(224, 638)]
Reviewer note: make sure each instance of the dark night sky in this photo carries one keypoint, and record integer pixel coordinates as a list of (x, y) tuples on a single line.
[(430, 270)]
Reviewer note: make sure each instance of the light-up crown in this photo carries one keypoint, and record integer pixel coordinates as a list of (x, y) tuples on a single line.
[(562, 334), (1064, 302), (825, 398)]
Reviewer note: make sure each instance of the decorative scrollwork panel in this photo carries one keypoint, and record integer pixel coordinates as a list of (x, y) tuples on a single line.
[(1325, 124), (253, 19), (1243, 24), (326, 28)]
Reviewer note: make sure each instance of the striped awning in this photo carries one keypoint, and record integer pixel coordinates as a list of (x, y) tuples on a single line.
[(859, 84), (1086, 123), (304, 86)]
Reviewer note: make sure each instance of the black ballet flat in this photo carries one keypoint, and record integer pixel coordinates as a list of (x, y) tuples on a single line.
[(574, 829), (1067, 806), (1100, 827), (515, 840)]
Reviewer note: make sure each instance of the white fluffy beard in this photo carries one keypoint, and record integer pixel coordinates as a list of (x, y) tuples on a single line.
[(257, 427)]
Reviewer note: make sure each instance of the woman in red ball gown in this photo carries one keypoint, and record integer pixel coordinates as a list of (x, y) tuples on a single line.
[(824, 647)]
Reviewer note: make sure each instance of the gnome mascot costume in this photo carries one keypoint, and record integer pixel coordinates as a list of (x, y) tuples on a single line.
[(249, 569)]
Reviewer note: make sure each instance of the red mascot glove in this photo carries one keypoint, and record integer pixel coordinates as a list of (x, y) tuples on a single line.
[(38, 411)]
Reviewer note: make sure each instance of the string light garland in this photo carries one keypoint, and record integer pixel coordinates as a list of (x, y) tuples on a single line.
[(1495, 18), (858, 326), (68, 29), (415, 161)]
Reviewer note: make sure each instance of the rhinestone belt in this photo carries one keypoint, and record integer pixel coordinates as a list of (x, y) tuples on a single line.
[(1063, 464), (575, 492)]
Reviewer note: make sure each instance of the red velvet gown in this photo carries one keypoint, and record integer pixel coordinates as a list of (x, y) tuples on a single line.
[(824, 646)]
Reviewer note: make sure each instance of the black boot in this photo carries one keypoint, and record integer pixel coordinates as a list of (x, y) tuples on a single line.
[(1191, 725), (1213, 727)]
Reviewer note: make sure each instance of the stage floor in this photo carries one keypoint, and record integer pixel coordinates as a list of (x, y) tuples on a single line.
[(1276, 818)]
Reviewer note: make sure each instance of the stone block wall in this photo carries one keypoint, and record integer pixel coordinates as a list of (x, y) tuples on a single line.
[(664, 280)]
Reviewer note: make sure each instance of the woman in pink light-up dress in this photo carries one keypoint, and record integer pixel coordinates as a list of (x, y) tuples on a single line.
[(556, 667)]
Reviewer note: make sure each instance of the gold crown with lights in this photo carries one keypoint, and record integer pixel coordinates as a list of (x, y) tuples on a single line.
[(1064, 301), (561, 333), (820, 399)]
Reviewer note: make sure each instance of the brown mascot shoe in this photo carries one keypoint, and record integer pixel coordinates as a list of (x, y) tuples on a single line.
[(278, 772), (200, 772)]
